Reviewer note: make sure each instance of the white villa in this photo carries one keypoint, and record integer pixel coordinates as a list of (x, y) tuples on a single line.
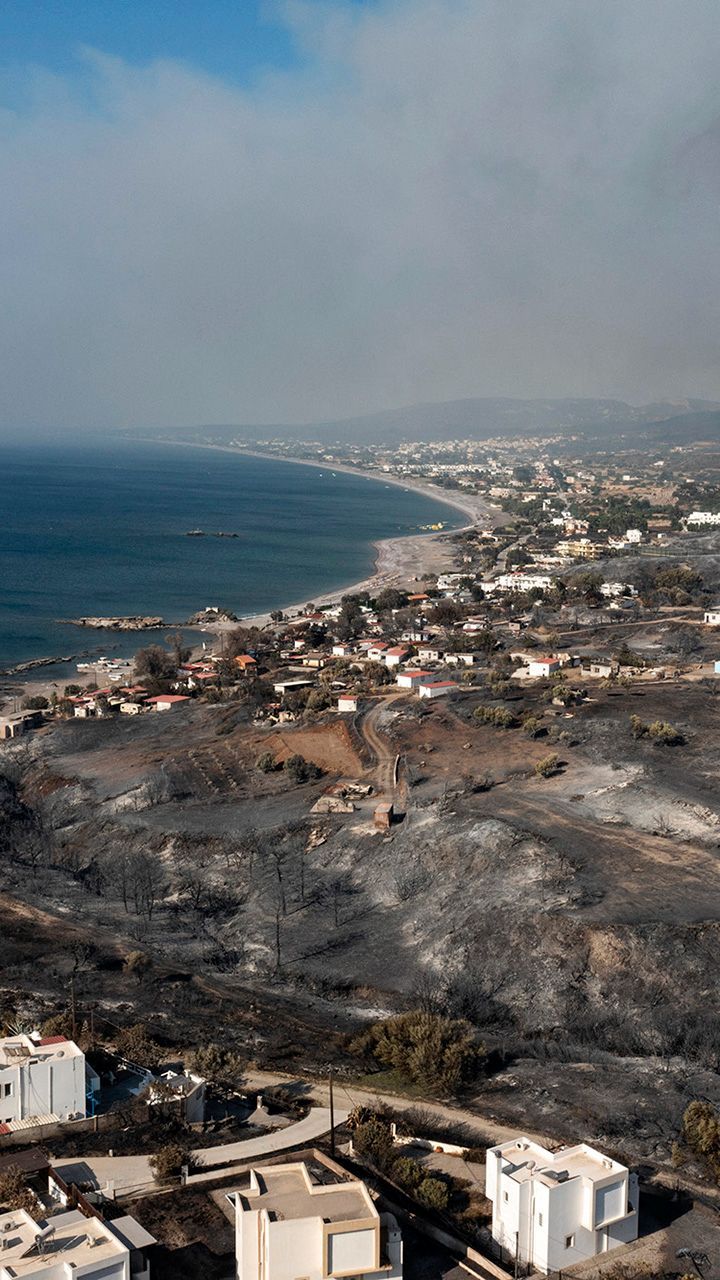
[(41, 1080), (70, 1245), (287, 1225), (551, 1209)]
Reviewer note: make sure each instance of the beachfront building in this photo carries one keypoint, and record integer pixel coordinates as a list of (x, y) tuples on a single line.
[(71, 1244), (41, 1080), (288, 1225), (551, 1209)]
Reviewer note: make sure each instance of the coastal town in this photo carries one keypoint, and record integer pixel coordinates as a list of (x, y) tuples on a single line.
[(333, 810)]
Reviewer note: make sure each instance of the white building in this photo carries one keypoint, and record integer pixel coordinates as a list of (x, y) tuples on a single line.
[(551, 1209), (70, 1245), (712, 616), (347, 702), (538, 667), (428, 654), (41, 1080), (519, 580), (613, 590), (704, 517), (288, 1226), (182, 1090), (435, 688), (411, 679), (633, 536), (396, 656)]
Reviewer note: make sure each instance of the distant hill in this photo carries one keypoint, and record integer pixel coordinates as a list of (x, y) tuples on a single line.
[(686, 429), (484, 418)]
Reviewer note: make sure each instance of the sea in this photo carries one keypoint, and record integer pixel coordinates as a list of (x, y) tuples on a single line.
[(102, 530)]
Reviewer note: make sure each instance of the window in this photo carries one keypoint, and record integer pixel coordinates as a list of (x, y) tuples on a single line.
[(540, 1220), (7, 1090), (505, 1196), (569, 1242)]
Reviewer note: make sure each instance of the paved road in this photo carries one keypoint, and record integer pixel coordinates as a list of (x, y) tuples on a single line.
[(133, 1172)]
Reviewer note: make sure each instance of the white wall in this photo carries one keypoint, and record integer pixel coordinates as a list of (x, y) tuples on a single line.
[(50, 1086), (351, 1251)]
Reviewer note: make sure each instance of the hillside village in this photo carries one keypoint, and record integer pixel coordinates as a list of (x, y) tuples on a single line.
[(312, 841)]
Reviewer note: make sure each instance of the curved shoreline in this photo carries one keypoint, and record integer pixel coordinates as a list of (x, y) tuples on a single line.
[(397, 560)]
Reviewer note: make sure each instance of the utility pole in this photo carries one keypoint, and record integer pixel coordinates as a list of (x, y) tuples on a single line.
[(332, 1116), (517, 1254), (72, 1008)]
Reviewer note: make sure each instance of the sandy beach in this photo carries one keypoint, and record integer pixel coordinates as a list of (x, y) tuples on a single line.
[(399, 562)]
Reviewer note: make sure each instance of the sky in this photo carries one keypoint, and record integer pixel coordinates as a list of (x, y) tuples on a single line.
[(267, 211)]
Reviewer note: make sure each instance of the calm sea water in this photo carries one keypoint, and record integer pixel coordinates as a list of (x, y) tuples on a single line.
[(102, 530)]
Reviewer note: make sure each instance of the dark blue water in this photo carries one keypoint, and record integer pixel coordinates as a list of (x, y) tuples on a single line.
[(102, 530)]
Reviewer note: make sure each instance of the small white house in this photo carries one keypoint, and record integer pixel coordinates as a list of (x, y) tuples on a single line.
[(71, 1244), (41, 1080), (184, 1090), (712, 616), (411, 679), (395, 656), (287, 1224), (552, 1209), (538, 667), (429, 654), (633, 536), (347, 702), (436, 688), (342, 650)]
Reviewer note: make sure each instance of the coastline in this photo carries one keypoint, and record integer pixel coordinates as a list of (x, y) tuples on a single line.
[(399, 562)]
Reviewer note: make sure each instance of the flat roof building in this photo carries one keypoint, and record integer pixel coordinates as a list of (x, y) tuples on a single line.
[(551, 1209), (41, 1080), (71, 1245), (288, 1225)]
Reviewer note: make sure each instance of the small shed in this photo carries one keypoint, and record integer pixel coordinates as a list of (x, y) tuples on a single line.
[(383, 816)]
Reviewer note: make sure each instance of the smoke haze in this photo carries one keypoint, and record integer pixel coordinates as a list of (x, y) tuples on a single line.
[(444, 198)]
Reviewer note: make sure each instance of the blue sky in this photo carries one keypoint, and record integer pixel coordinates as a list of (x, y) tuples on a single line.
[(234, 39)]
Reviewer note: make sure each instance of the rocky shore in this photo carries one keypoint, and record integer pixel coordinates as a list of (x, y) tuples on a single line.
[(134, 623)]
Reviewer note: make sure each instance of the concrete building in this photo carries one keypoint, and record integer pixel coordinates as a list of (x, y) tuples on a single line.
[(712, 616), (538, 667), (19, 722), (180, 1091), (411, 679), (347, 702), (395, 656), (519, 580), (167, 701), (436, 688), (289, 1226), (551, 1209), (41, 1080), (70, 1245), (704, 517)]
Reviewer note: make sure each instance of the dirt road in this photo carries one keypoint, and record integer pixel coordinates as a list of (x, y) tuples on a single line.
[(381, 750)]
